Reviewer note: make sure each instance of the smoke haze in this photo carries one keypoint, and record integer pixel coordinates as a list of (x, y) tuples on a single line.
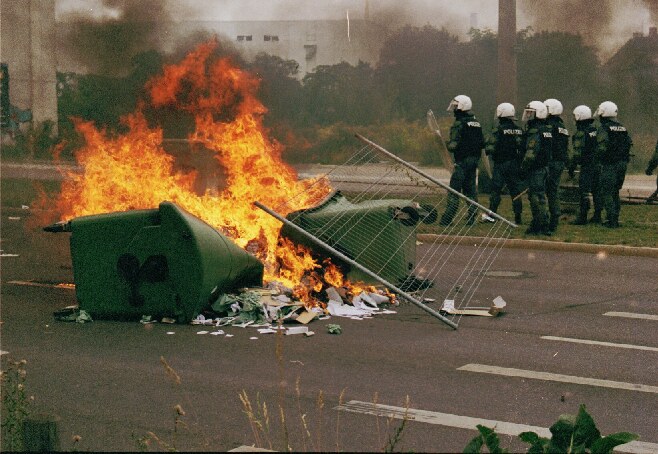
[(103, 35)]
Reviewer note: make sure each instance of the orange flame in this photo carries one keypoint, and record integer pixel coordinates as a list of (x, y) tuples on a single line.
[(133, 171)]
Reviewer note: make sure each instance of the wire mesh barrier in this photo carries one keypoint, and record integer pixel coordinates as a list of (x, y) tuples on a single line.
[(390, 223)]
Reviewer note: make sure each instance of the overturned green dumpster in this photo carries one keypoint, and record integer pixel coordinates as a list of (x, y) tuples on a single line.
[(162, 262), (377, 234)]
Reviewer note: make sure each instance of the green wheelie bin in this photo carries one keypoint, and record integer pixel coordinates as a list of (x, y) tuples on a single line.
[(377, 234), (162, 262)]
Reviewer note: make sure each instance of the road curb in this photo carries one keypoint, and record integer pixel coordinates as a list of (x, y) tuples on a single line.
[(516, 243)]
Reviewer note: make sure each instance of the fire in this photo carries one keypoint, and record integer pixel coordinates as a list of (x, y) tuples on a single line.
[(133, 171)]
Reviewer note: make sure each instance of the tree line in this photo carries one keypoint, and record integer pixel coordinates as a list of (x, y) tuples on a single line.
[(419, 68)]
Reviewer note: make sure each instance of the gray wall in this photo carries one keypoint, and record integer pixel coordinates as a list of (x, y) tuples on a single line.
[(27, 45), (310, 43)]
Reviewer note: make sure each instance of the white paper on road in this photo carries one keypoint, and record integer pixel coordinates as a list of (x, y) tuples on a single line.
[(344, 310)]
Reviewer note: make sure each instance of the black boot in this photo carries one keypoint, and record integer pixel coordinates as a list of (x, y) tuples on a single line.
[(517, 219), (552, 225), (596, 218)]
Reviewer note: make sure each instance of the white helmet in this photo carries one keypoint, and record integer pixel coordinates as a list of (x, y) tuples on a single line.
[(535, 109), (582, 113), (460, 102), (606, 109), (505, 110), (554, 106)]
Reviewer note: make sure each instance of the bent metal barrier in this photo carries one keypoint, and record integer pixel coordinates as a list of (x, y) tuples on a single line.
[(372, 223)]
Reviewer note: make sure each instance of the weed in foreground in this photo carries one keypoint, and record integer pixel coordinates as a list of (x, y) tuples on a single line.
[(570, 434), (15, 404)]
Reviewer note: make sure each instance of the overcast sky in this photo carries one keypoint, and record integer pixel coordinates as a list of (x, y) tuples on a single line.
[(622, 17)]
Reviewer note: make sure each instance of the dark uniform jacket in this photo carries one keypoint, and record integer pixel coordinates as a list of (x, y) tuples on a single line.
[(466, 138), (506, 142), (584, 143), (538, 146), (613, 142), (560, 139)]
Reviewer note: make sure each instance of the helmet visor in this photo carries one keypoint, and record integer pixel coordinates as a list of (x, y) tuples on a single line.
[(529, 114)]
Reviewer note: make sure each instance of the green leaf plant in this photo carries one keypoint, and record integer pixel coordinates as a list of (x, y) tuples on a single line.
[(570, 434)]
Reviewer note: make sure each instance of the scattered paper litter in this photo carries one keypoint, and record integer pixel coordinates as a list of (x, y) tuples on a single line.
[(297, 330), (217, 333), (202, 332), (253, 338), (266, 330), (14, 218), (171, 332), (229, 335), (305, 317), (333, 294)]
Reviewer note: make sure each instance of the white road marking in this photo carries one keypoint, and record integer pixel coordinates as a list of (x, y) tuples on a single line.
[(604, 344), (632, 315), (467, 422), (509, 372)]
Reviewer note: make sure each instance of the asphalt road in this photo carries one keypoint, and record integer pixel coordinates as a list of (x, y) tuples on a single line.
[(106, 382)]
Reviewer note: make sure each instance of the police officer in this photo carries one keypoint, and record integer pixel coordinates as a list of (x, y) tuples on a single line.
[(559, 158), (613, 150), (584, 155), (505, 146), (538, 148), (466, 143), (653, 163)]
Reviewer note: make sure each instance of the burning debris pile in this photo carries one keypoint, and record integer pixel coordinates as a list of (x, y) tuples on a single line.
[(196, 250), (151, 261), (271, 307)]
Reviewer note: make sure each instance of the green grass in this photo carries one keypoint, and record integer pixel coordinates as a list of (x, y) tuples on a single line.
[(639, 222), (639, 226)]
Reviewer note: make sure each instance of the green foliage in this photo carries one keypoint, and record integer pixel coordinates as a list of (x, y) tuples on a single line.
[(15, 405), (36, 142), (335, 144), (570, 434), (488, 438)]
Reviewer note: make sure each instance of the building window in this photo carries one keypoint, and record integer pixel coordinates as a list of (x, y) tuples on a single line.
[(248, 37), (266, 38), (245, 37), (311, 50), (275, 37), (270, 38)]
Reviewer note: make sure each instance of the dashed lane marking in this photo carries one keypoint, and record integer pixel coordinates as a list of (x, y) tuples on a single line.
[(548, 376), (467, 422), (632, 315), (603, 344)]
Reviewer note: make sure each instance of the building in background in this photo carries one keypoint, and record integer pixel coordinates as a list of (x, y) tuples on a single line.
[(311, 43)]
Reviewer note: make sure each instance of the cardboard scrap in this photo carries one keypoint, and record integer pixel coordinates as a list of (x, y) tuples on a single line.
[(495, 309), (306, 317)]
